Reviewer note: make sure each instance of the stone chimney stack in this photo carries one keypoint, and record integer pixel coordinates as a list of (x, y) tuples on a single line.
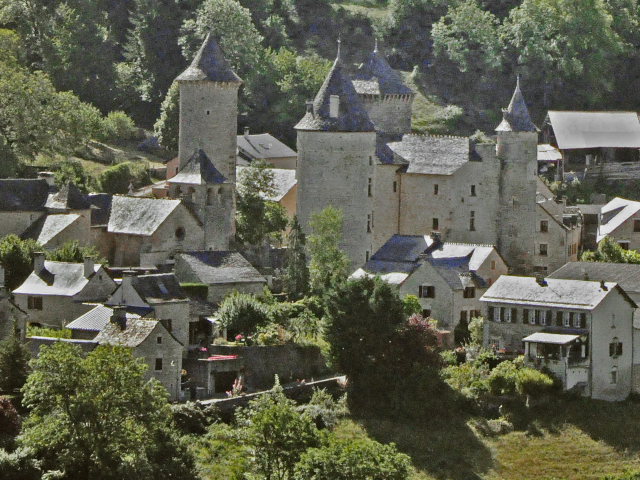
[(246, 133), (38, 262), (119, 316), (127, 278), (89, 265), (48, 177)]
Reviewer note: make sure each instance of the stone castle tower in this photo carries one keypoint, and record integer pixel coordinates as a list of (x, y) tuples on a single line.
[(384, 96), (516, 149), (206, 178), (336, 161)]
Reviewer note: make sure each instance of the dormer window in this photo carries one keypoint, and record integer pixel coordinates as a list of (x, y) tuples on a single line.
[(334, 106)]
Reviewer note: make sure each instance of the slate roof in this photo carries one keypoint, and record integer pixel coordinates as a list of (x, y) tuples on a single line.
[(614, 214), (627, 275), (136, 331), (589, 209), (68, 198), (595, 129), (23, 195), (100, 208), (95, 319), (201, 308), (198, 171), (60, 278), (352, 117), (376, 77), (431, 154), (139, 216), (283, 181), (221, 267), (401, 255), (516, 117), (48, 226), (575, 294), (158, 288), (263, 146), (210, 65)]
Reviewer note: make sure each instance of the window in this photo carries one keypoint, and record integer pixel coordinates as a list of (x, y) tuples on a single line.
[(576, 320), (395, 187), (615, 348), (624, 245), (366, 256), (582, 319), (426, 291), (497, 314), (370, 160), (636, 225), (568, 318), (493, 264), (368, 223), (463, 315), (370, 189), (525, 315), (159, 340), (434, 224), (543, 249), (426, 313), (559, 319), (533, 318), (475, 313), (208, 112), (180, 233), (435, 189), (469, 292), (544, 226), (158, 365), (507, 315), (473, 190), (541, 317), (472, 221), (34, 303), (614, 375)]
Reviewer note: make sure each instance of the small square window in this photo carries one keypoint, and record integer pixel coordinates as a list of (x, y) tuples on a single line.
[(159, 340), (543, 249), (469, 292), (493, 264), (624, 245), (544, 226), (426, 291), (395, 187), (434, 224), (158, 365)]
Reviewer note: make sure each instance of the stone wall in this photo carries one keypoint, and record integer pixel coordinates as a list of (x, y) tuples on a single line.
[(390, 114), (17, 222)]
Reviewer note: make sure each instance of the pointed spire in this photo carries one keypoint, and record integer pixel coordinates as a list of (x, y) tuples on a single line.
[(375, 48), (377, 76), (210, 65), (339, 54), (516, 117)]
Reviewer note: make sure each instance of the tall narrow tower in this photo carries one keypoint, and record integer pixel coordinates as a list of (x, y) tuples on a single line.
[(336, 158), (206, 177), (516, 150)]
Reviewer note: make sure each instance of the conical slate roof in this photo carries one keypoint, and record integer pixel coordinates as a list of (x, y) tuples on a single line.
[(378, 78), (210, 65), (352, 117), (198, 171), (516, 116), (69, 197)]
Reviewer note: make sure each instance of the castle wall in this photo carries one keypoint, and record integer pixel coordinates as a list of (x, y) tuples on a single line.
[(390, 114), (334, 168), (386, 204)]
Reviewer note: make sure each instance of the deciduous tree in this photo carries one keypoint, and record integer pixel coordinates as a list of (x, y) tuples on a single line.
[(328, 262)]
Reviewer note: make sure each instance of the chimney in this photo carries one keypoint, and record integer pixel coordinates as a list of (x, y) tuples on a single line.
[(564, 201), (38, 262), (246, 133), (48, 177), (127, 276), (88, 266), (603, 286), (309, 107), (119, 316), (437, 238), (540, 280), (334, 106)]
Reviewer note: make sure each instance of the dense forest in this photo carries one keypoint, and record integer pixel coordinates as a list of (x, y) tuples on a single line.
[(64, 64)]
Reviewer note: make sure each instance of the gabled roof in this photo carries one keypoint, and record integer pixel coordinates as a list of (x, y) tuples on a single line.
[(401, 255), (139, 216), (431, 154), (263, 146), (68, 198), (23, 195), (614, 214), (283, 181), (47, 227), (352, 117), (210, 65), (553, 338), (221, 267), (158, 288), (376, 77), (201, 308), (96, 318), (627, 275), (198, 171), (59, 278), (516, 117), (595, 129), (100, 208), (575, 294), (136, 331)]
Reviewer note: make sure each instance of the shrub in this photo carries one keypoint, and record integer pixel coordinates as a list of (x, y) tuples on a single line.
[(273, 334), (19, 465), (470, 379), (449, 357), (324, 410), (243, 313), (476, 326), (188, 418), (488, 357), (502, 379), (116, 179), (33, 331), (117, 126), (532, 382), (9, 421)]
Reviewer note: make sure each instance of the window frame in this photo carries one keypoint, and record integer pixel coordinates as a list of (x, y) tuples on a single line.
[(158, 362), (543, 249), (34, 302), (426, 291), (544, 226)]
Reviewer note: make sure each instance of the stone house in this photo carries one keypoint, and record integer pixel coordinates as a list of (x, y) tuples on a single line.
[(448, 278), (22, 203), (147, 232), (620, 220), (89, 324), (157, 296), (582, 331), (388, 182), (265, 147), (222, 272), (56, 292), (150, 340)]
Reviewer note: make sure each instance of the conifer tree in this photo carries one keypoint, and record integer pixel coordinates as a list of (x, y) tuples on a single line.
[(296, 274)]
